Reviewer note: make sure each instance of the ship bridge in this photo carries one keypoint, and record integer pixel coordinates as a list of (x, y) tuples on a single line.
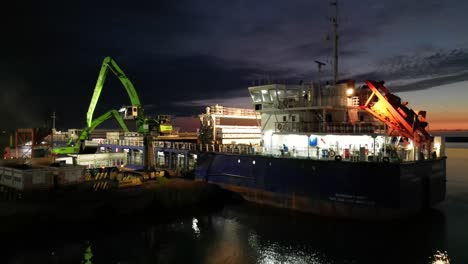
[(305, 108)]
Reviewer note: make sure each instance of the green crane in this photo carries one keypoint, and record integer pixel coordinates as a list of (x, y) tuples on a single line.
[(135, 111), (109, 64), (78, 146)]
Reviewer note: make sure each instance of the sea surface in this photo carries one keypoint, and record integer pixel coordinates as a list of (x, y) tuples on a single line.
[(247, 233)]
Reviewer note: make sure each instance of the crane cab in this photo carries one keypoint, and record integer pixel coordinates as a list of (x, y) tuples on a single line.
[(129, 112)]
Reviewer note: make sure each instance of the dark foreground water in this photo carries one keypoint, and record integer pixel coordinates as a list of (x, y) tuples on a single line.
[(245, 233)]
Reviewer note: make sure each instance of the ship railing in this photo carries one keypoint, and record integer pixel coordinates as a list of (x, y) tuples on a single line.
[(350, 128), (228, 148), (175, 145), (295, 126), (123, 142), (346, 155), (221, 110), (351, 155), (341, 128)]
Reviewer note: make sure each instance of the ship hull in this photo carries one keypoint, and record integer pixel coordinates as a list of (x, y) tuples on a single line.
[(365, 190)]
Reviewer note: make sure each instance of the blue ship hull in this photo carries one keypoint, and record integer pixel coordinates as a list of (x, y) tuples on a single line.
[(368, 190)]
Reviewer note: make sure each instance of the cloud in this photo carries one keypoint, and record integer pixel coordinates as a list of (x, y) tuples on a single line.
[(421, 71), (183, 54), (237, 102)]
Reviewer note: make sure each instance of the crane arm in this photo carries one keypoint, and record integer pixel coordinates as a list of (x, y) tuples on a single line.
[(101, 119), (389, 109), (75, 148), (110, 64)]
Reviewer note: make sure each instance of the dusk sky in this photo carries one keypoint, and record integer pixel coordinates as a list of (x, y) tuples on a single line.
[(183, 55)]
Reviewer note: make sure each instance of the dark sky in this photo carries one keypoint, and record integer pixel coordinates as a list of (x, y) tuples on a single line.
[(182, 55)]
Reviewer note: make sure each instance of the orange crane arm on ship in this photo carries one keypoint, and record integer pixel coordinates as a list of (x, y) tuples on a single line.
[(389, 109)]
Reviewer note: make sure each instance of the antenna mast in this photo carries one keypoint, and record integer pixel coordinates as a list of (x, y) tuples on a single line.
[(335, 41), (319, 64), (53, 120)]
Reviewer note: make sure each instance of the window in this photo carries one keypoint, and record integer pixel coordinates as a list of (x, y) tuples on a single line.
[(293, 118), (284, 119)]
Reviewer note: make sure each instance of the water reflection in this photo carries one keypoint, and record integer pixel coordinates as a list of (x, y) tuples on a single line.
[(440, 258), (88, 255), (243, 234), (195, 228), (276, 236)]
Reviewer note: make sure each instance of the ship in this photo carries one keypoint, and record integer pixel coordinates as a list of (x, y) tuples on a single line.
[(340, 151), (347, 149)]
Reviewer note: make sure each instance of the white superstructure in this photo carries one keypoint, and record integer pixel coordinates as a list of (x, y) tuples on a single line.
[(227, 125), (304, 121)]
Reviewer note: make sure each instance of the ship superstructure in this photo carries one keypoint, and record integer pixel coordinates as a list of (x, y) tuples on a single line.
[(228, 125), (341, 122)]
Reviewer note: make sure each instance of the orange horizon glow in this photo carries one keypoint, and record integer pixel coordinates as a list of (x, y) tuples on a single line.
[(445, 105), (447, 126), (447, 120)]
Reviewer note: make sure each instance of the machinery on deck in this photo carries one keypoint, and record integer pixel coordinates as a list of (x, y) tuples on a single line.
[(135, 111), (401, 120), (80, 145)]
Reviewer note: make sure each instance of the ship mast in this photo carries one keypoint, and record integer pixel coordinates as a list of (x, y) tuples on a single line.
[(335, 41), (53, 120)]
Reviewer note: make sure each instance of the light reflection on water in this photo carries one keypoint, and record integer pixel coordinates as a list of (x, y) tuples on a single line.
[(195, 228), (440, 258), (248, 233), (281, 237)]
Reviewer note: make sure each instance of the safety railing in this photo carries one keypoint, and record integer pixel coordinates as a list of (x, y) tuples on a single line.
[(304, 127), (123, 142)]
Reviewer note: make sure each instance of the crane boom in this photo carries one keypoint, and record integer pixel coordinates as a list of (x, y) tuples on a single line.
[(389, 109), (77, 147), (101, 119), (110, 64)]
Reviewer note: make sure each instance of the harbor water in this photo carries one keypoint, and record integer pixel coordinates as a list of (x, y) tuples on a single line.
[(247, 233)]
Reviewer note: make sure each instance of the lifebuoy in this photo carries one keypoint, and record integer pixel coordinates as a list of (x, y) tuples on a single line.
[(331, 153), (338, 158), (280, 127), (386, 159)]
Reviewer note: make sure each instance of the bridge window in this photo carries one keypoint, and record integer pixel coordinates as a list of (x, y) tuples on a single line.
[(256, 96)]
